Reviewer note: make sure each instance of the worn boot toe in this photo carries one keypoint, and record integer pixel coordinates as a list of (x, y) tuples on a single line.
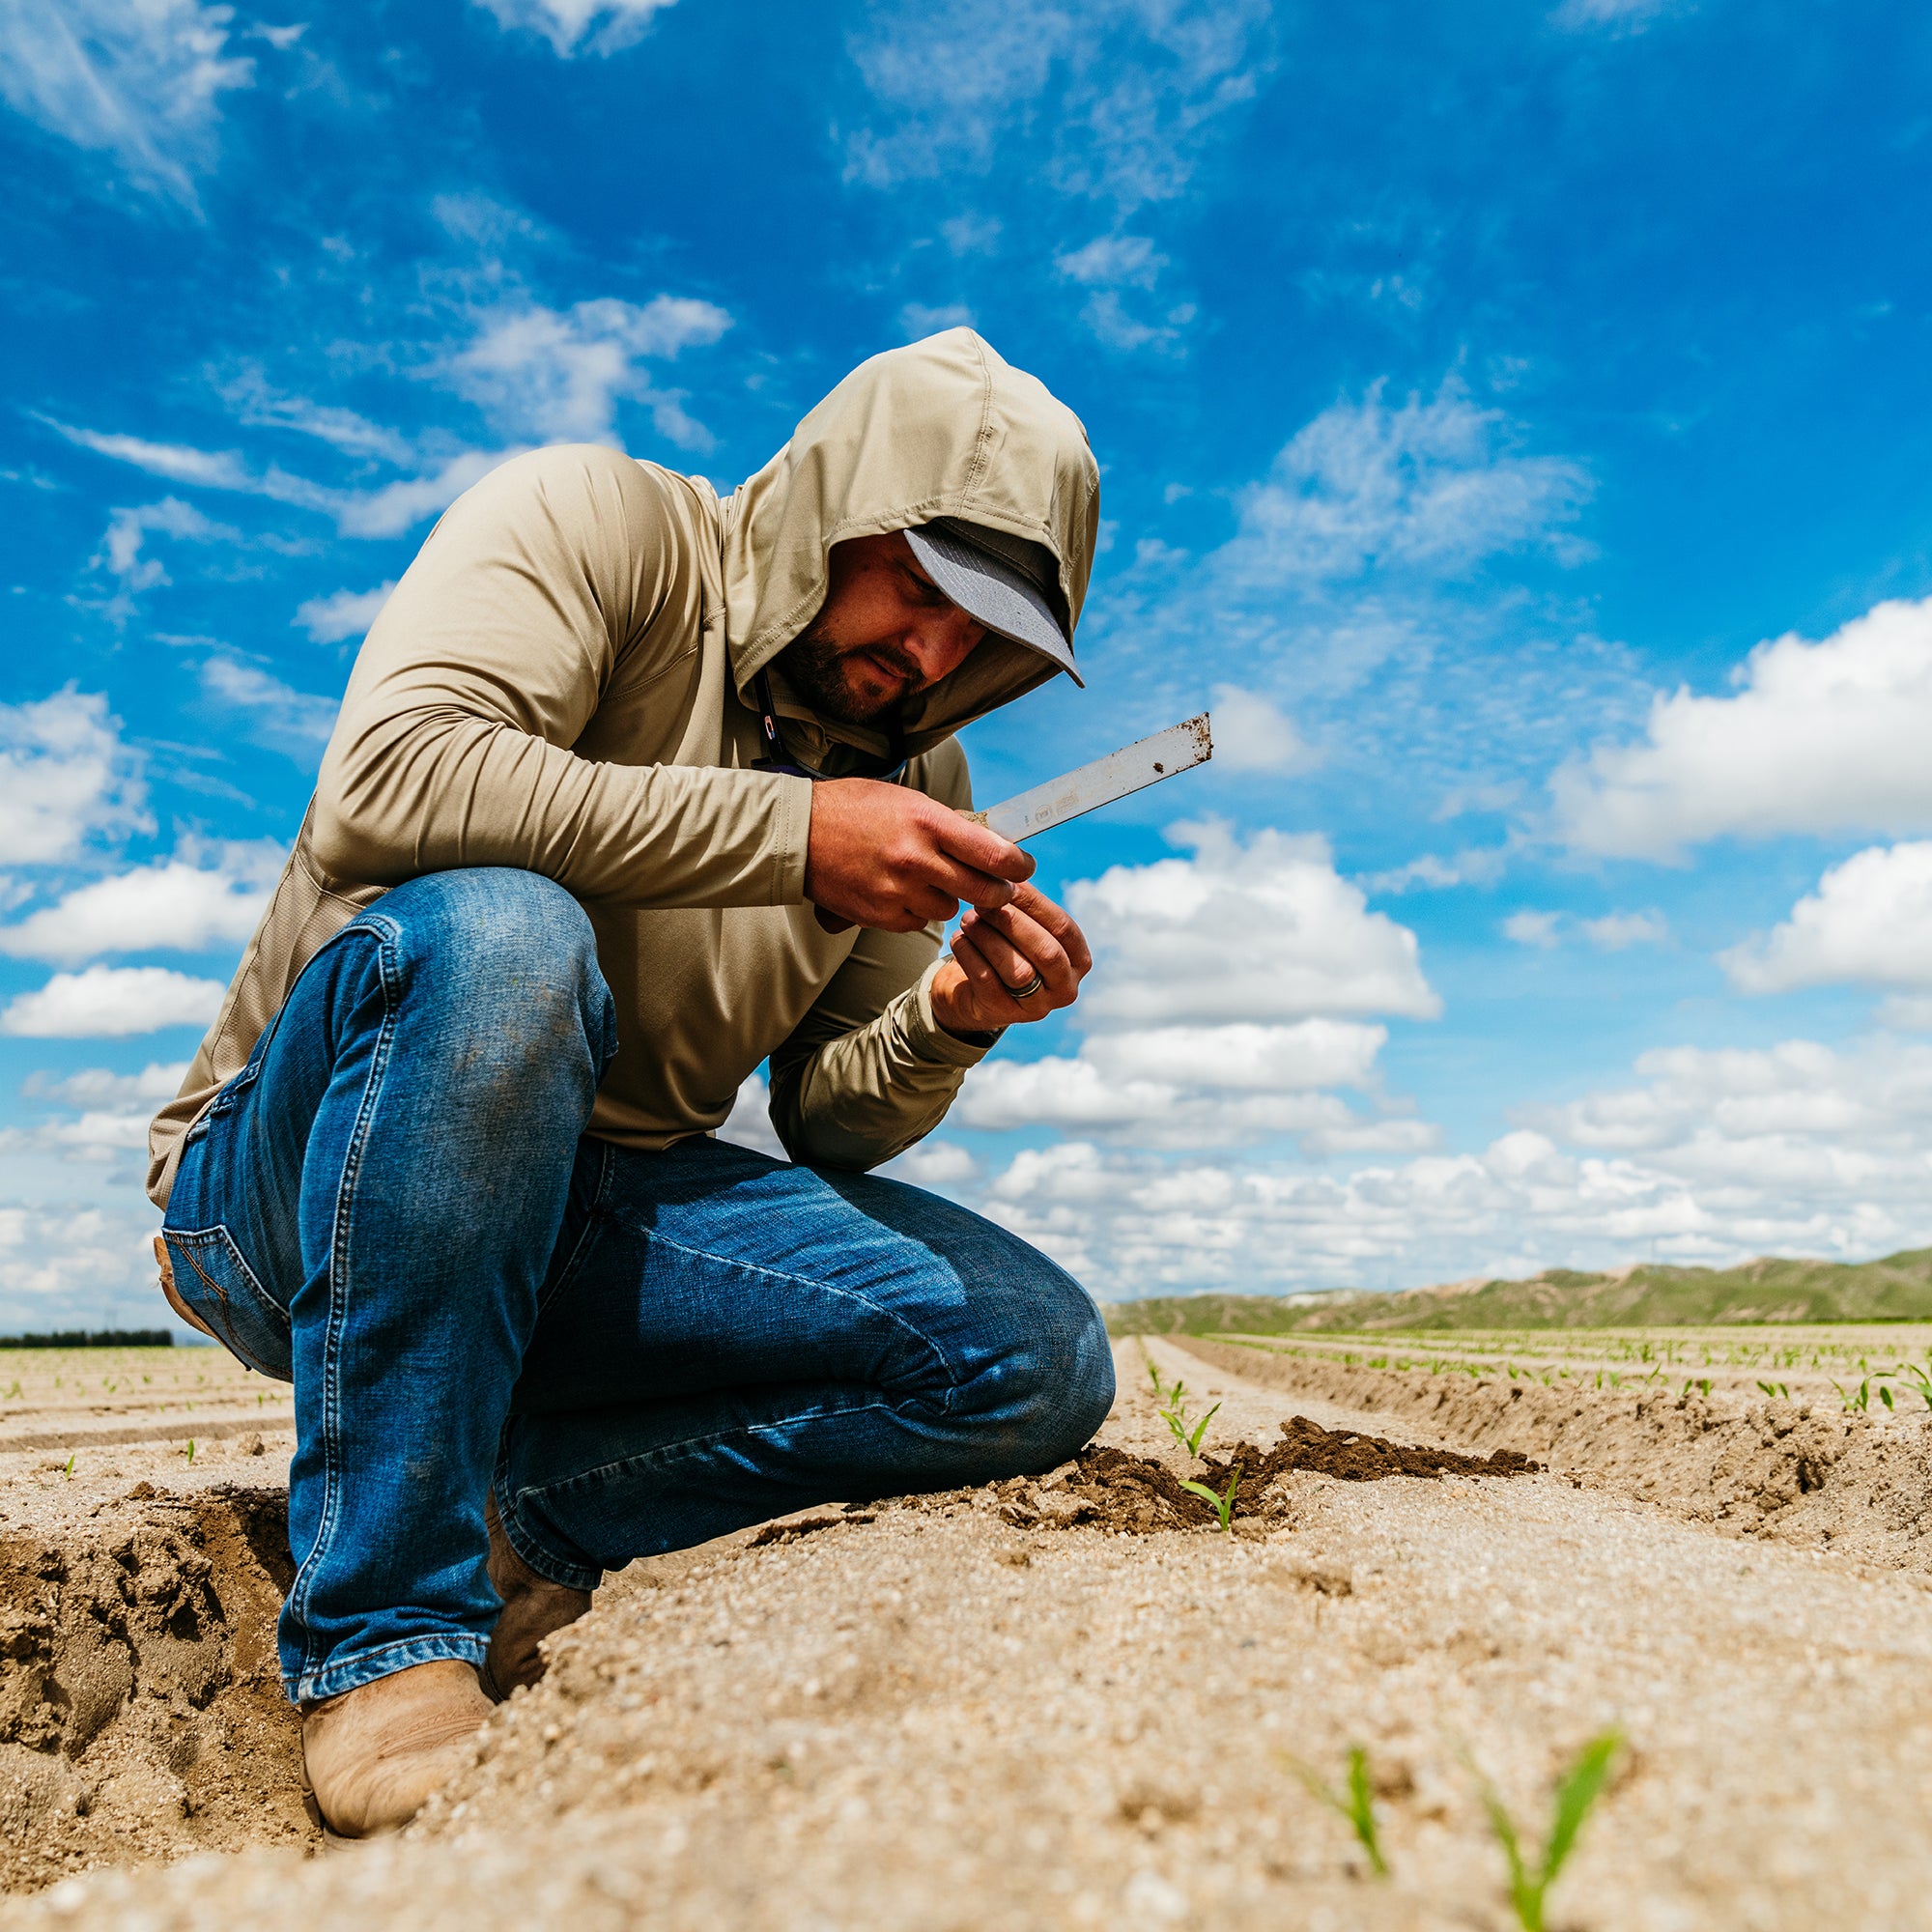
[(372, 1756)]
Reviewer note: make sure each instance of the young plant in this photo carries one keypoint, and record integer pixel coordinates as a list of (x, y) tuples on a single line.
[(1921, 1382), (1222, 1499), (1576, 1791), (1781, 1392), (1178, 1420), (1861, 1401), (1358, 1808)]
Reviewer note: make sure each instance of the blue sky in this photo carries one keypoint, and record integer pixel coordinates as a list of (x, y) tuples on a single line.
[(1513, 423)]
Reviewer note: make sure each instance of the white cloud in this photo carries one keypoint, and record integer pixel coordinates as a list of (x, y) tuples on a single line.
[(110, 1002), (934, 1164), (1713, 1157), (749, 1122), (1262, 932), (1430, 485), (343, 613), (597, 26), (140, 79), (1618, 931), (295, 722), (1223, 1003), (99, 1087), (65, 776), (1131, 94), (1252, 734), (1533, 928), (1620, 16), (557, 375), (384, 511), (1870, 921), (972, 234), (917, 319), (1114, 260), (249, 395), (1818, 738), (171, 905), (78, 1267)]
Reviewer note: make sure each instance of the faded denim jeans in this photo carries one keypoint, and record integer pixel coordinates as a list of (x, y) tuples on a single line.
[(394, 1206)]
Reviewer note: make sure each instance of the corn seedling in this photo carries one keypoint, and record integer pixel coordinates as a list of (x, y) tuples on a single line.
[(190, 1448), (1859, 1400), (1783, 1392), (1222, 1499), (1576, 1791), (1921, 1382), (1178, 1420), (1357, 1808), (67, 1468)]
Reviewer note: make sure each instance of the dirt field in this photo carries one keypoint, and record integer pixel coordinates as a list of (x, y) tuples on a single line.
[(1068, 1703)]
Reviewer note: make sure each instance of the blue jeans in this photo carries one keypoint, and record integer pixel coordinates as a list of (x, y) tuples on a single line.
[(394, 1206)]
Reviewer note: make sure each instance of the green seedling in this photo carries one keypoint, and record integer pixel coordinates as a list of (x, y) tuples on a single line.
[(1576, 1791), (1778, 1389), (1859, 1400), (1358, 1808), (1921, 1382), (1177, 1419), (67, 1468), (190, 1448), (1701, 1383), (1222, 1499)]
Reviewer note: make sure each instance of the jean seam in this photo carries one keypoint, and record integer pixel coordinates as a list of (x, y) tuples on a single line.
[(385, 933), (191, 1237)]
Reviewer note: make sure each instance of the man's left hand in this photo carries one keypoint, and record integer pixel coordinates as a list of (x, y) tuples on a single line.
[(1032, 944)]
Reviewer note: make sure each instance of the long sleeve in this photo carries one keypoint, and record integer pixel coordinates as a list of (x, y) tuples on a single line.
[(567, 587), (869, 1070)]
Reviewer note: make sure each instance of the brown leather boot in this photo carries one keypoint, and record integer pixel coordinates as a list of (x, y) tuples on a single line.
[(533, 1606), (372, 1756)]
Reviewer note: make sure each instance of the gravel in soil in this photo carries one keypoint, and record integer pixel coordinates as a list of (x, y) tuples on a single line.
[(927, 1714)]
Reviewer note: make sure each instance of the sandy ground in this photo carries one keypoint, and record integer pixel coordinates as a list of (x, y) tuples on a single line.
[(926, 1716)]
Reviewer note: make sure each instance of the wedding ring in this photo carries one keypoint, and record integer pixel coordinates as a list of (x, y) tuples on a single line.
[(1026, 992)]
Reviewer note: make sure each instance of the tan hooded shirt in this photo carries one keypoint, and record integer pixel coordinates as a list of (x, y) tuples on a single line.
[(560, 682)]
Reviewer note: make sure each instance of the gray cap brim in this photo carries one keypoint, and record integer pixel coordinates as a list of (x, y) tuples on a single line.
[(988, 587)]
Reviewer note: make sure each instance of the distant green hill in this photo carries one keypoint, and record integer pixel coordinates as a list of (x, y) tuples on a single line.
[(1897, 1288)]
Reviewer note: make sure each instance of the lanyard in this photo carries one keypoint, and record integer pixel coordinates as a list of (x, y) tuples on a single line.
[(775, 759)]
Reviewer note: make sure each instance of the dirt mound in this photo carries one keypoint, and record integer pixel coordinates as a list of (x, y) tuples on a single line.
[(1135, 1495), (1793, 1471), (141, 1713)]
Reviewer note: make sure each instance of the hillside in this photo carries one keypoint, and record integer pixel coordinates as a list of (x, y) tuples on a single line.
[(1897, 1288)]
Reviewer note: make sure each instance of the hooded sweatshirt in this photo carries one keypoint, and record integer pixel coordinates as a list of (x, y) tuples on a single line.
[(562, 683)]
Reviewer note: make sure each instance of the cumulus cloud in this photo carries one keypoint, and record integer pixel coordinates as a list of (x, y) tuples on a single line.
[(1429, 485), (1870, 921), (1712, 1157), (1816, 738), (557, 375), (110, 1002), (1133, 95), (343, 613), (142, 82), (65, 778), (592, 26), (1223, 1009), (1253, 734), (1533, 928), (78, 1267), (129, 529), (1613, 932), (749, 1122), (1266, 931), (99, 1087), (173, 906)]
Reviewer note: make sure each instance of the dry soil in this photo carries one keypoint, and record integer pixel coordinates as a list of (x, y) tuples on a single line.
[(981, 1711)]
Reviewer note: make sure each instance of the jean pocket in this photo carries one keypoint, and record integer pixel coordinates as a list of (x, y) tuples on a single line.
[(219, 1286)]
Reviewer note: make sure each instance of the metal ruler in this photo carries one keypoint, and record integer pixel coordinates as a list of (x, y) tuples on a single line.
[(1133, 768)]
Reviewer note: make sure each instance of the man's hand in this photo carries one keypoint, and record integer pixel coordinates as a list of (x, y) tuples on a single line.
[(882, 856), (995, 953)]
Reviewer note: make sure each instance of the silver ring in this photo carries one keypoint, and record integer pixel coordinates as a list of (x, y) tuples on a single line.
[(1026, 992)]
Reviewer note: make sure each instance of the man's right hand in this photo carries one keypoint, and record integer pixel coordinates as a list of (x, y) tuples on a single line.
[(883, 856)]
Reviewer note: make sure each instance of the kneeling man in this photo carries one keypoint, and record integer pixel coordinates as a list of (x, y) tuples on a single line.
[(633, 790)]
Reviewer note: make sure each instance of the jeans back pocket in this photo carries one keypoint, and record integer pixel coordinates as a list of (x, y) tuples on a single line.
[(219, 1286)]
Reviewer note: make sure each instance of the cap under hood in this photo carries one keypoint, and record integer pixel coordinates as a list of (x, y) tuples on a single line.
[(941, 428)]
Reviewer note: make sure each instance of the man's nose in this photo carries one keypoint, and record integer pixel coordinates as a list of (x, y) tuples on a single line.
[(940, 641)]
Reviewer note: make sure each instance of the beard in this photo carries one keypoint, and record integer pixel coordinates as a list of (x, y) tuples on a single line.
[(822, 671)]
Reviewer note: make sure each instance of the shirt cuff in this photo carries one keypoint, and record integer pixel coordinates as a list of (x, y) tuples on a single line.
[(928, 1039), (793, 819)]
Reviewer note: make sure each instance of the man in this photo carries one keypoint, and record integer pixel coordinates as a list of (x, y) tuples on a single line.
[(633, 790)]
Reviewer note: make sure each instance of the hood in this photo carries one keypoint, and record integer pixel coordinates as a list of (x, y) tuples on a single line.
[(941, 428)]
